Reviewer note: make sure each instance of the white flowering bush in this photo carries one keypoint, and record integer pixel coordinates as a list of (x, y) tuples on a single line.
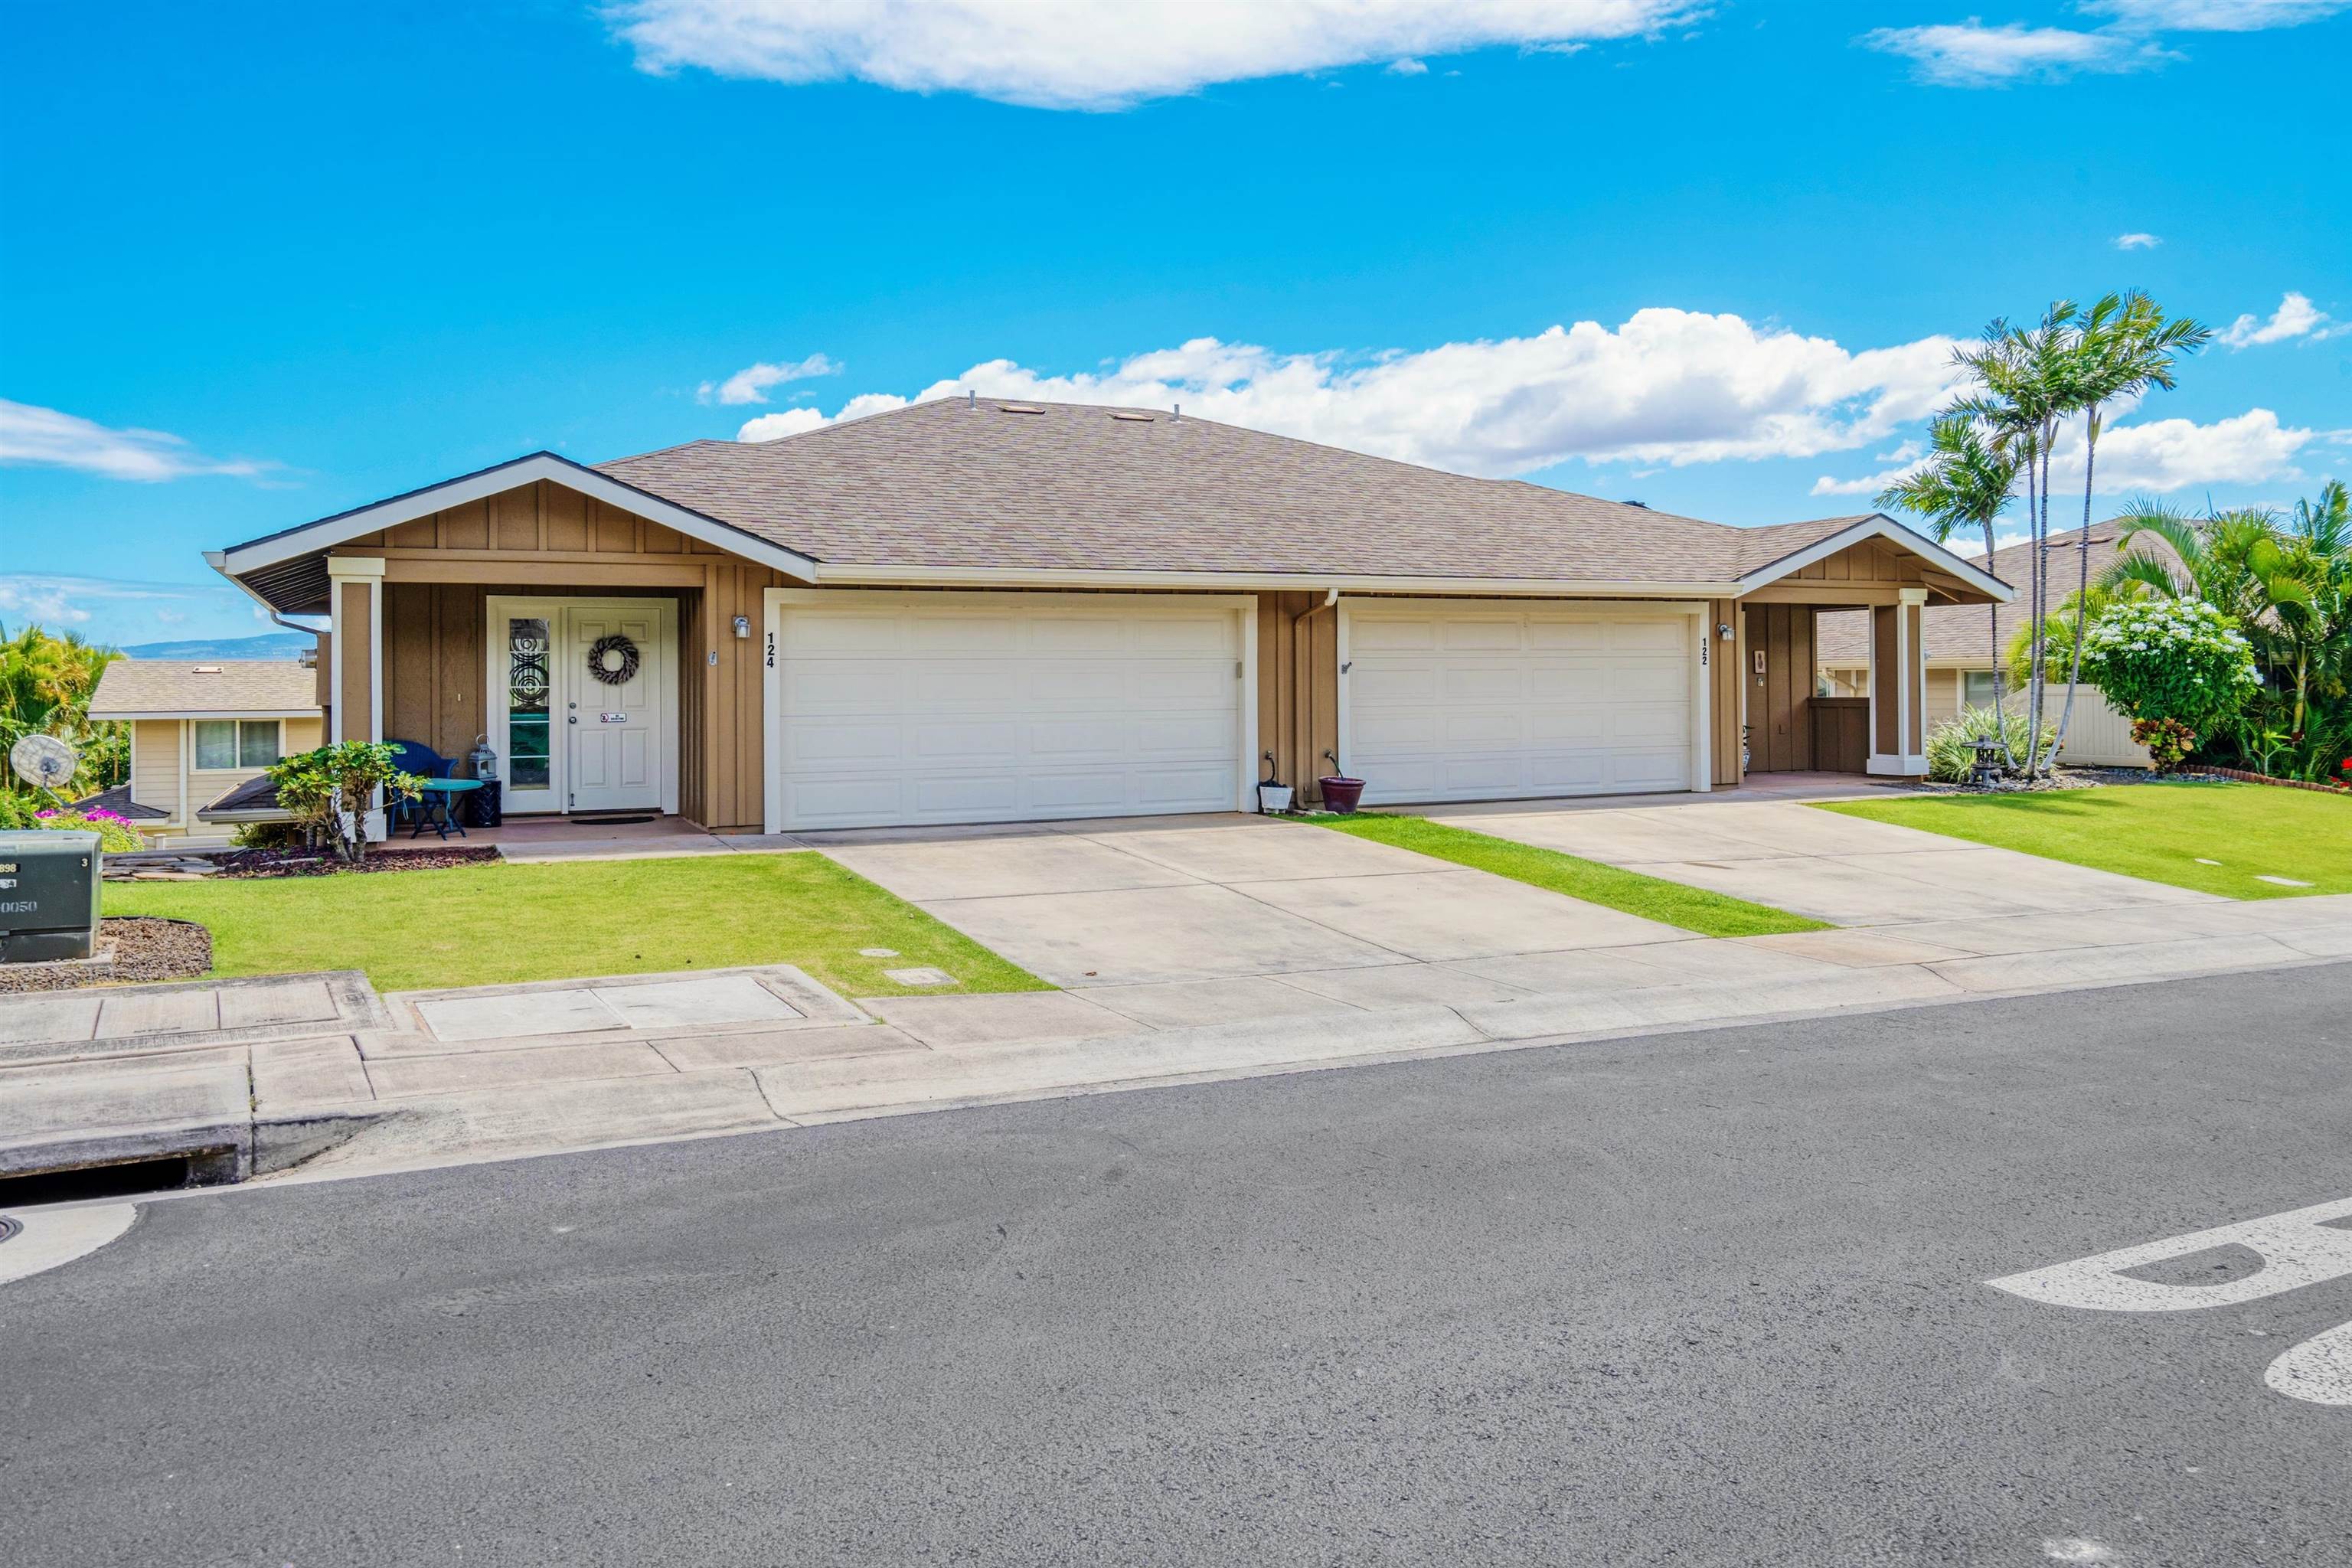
[(2177, 659)]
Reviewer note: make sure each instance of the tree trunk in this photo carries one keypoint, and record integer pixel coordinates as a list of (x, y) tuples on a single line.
[(2082, 583), (2000, 722)]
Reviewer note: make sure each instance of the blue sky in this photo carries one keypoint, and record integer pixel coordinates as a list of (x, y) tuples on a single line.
[(260, 263)]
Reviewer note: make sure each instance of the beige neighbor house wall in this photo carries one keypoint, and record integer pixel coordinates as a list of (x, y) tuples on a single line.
[(163, 774), (156, 760), (544, 539)]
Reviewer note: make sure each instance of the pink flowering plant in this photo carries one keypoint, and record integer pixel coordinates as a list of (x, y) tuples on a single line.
[(115, 833)]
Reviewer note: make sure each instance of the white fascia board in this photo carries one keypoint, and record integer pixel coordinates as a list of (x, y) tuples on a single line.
[(1878, 526), (329, 531), (114, 716), (851, 575)]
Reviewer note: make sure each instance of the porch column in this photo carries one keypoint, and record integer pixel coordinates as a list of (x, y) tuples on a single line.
[(357, 649), (1898, 685)]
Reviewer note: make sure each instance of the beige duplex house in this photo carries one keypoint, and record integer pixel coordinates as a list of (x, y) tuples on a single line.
[(979, 610), (200, 730)]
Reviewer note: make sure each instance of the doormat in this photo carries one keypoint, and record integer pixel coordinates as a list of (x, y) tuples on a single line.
[(622, 820)]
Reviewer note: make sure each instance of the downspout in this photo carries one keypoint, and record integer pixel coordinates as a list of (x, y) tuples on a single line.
[(1302, 692)]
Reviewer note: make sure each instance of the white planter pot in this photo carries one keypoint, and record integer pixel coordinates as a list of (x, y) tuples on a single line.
[(1272, 798)]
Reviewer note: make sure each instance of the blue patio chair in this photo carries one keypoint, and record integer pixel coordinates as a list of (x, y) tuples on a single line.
[(416, 757)]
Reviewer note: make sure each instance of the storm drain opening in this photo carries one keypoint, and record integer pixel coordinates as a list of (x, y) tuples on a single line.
[(128, 1179)]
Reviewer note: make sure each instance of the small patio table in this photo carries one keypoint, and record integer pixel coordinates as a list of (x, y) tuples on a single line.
[(438, 796)]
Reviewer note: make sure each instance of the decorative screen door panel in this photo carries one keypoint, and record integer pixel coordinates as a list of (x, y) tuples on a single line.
[(615, 684)]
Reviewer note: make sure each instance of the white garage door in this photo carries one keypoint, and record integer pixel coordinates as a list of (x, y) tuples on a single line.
[(935, 707), (1457, 703)]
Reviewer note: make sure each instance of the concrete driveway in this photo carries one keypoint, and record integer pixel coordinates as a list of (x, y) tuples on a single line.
[(1176, 921), (1844, 870)]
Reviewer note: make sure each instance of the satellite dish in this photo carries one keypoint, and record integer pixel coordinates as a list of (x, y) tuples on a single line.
[(44, 762)]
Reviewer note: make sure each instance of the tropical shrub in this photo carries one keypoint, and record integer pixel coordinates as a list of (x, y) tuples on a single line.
[(46, 683), (2168, 741), (2171, 658), (115, 833), (329, 791), (1951, 745)]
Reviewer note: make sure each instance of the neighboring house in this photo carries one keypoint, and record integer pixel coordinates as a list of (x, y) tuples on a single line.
[(986, 611), (1960, 644), (199, 730)]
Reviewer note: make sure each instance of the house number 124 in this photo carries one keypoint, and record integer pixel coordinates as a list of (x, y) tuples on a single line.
[(771, 650)]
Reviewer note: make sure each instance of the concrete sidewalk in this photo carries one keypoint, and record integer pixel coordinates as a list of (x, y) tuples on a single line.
[(430, 1078)]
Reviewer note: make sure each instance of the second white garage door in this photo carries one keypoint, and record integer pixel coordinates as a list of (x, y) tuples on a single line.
[(912, 708), (1457, 703)]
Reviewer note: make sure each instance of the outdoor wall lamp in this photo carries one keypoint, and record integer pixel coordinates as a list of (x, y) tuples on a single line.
[(742, 626), (1723, 630)]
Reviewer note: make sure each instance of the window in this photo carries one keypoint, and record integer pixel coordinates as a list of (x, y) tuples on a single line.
[(223, 744), (528, 729), (1976, 688)]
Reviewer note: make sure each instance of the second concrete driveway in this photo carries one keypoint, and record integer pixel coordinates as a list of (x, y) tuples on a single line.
[(1178, 920), (1844, 870)]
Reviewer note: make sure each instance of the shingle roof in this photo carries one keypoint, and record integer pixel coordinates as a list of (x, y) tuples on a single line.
[(118, 801), (171, 685), (1965, 631), (1079, 486)]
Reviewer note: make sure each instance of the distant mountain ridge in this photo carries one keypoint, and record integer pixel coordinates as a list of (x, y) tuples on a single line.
[(270, 645)]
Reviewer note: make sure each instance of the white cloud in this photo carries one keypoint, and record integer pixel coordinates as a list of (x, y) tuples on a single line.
[(44, 438), (2214, 16), (115, 610), (2137, 241), (1408, 67), (1969, 54), (750, 384), (2159, 457), (2296, 317), (1667, 386), (1081, 54), (2167, 455)]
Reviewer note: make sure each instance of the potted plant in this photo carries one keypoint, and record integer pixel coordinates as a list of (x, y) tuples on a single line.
[(1273, 797), (1340, 793)]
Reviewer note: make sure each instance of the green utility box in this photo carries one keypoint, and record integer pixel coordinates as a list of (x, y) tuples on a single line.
[(48, 895)]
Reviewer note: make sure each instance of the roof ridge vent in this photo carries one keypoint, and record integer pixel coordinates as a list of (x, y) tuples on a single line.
[(1019, 408), (206, 669), (1133, 415)]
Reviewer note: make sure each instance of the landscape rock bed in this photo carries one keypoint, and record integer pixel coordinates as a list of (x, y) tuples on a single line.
[(131, 948), (2076, 778), (252, 863)]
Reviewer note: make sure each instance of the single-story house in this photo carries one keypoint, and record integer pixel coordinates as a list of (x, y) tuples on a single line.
[(979, 610), (200, 731), (1960, 644)]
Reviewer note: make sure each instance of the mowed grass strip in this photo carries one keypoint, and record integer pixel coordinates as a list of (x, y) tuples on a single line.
[(2161, 832), (500, 924), (1652, 898)]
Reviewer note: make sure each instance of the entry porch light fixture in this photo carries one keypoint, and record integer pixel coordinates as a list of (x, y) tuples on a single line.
[(742, 626)]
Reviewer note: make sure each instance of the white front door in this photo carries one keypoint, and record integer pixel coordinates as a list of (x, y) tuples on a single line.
[(1470, 702), (568, 741), (615, 713), (905, 708)]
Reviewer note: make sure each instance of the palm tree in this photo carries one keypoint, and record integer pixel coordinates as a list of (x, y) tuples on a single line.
[(2027, 382), (2290, 589), (1965, 483), (2123, 345)]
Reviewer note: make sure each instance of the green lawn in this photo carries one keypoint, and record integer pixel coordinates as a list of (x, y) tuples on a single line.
[(2161, 832), (1674, 904), (493, 924)]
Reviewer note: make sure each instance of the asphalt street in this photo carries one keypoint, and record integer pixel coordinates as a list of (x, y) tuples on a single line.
[(1695, 1299)]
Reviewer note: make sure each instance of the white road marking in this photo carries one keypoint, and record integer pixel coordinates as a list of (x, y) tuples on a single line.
[(2297, 1249), (2319, 1369), (54, 1237)]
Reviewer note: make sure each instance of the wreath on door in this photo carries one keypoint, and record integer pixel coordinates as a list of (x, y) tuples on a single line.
[(602, 663)]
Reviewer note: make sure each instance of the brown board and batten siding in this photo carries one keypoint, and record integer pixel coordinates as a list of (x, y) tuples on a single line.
[(1780, 733), (543, 538)]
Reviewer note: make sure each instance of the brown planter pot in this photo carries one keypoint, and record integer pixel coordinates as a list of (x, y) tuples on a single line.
[(1342, 796)]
